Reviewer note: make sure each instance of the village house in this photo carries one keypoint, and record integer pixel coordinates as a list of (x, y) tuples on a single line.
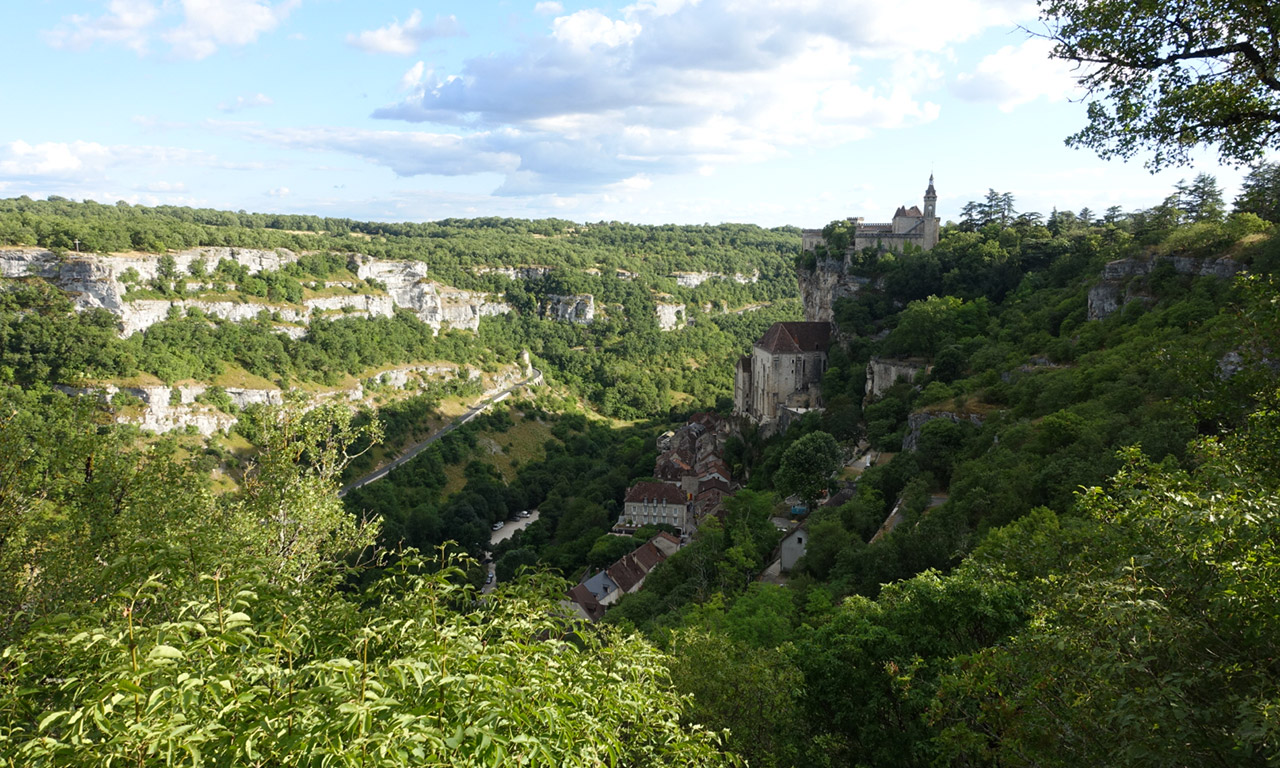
[(602, 589), (652, 503)]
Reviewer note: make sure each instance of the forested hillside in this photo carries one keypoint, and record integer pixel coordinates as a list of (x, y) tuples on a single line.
[(1001, 614), (1062, 551)]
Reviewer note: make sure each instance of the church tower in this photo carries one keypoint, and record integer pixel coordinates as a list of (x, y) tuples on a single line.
[(930, 216)]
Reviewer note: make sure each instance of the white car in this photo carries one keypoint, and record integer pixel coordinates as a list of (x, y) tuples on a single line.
[(524, 513), (498, 525)]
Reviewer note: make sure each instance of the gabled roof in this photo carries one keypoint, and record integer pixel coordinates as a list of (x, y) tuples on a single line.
[(600, 585), (913, 212), (651, 491), (582, 596), (796, 337)]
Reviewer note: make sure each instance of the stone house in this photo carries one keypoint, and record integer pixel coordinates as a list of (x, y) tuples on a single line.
[(651, 503), (782, 373)]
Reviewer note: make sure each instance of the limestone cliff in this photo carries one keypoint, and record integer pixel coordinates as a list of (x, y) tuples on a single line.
[(1123, 281), (94, 281), (827, 281), (917, 420), (695, 279), (671, 316), (159, 408), (577, 308)]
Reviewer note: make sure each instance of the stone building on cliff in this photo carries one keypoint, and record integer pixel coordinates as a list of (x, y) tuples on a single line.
[(909, 226), (780, 378)]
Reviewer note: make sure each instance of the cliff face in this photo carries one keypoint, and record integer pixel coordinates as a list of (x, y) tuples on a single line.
[(1124, 281), (695, 279), (577, 308), (94, 282), (820, 287), (671, 316), (917, 420), (160, 408)]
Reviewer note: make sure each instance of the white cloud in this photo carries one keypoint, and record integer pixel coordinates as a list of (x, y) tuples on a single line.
[(246, 102), (405, 153), (549, 8), (164, 186), (91, 160), (278, 192), (668, 86), (413, 78), (202, 26), (404, 39), (584, 29), (1016, 75), (125, 23), (18, 158)]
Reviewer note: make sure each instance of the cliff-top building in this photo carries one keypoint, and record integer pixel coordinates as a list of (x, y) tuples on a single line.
[(909, 225), (781, 376)]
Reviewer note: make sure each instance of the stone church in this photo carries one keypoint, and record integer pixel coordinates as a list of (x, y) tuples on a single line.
[(909, 225), (780, 379)]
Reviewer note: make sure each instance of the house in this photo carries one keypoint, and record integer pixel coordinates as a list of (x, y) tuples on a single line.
[(594, 595), (651, 503), (793, 547), (602, 588), (783, 371), (910, 226), (584, 604)]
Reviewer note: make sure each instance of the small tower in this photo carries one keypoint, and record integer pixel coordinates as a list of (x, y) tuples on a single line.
[(930, 216)]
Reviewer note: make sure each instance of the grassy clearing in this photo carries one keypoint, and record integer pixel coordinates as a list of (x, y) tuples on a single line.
[(504, 451)]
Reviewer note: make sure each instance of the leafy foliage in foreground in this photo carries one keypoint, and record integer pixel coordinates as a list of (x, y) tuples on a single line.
[(149, 623), (249, 673)]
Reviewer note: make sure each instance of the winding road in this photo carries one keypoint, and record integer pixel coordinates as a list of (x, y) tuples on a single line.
[(416, 448)]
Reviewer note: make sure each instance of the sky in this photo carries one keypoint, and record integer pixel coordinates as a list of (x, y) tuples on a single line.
[(773, 112)]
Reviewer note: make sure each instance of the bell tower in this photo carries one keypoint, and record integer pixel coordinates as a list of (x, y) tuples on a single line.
[(930, 216)]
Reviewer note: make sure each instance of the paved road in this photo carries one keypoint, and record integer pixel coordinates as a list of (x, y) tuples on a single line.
[(417, 448), (509, 530)]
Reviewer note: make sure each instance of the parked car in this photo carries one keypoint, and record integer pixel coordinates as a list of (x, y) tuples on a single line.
[(489, 578), (498, 525), (525, 513)]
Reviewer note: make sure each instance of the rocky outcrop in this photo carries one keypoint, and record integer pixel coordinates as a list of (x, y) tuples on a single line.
[(883, 373), (1122, 281), (916, 421), (695, 279), (821, 286), (671, 316), (159, 408), (94, 281), (515, 273), (576, 308), (436, 305)]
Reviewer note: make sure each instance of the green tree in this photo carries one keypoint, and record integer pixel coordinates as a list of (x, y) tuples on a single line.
[(1169, 76), (1260, 192), (807, 466)]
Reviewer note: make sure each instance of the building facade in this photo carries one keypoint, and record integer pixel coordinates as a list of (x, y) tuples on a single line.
[(782, 373), (651, 503), (909, 226)]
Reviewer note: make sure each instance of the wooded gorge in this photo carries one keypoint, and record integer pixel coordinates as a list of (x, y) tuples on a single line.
[(1082, 481)]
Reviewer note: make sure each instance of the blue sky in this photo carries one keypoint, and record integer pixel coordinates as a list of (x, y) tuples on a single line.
[(654, 111)]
